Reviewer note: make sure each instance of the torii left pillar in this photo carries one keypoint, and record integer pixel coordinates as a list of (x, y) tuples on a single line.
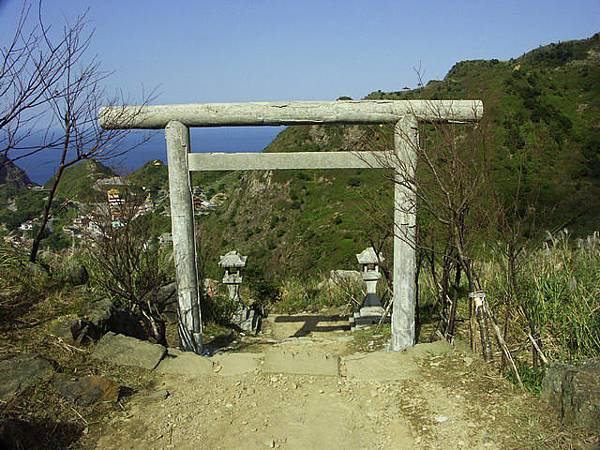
[(184, 240), (406, 142)]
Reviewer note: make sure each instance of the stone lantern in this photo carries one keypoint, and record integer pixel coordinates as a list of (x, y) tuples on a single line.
[(370, 311), (233, 263)]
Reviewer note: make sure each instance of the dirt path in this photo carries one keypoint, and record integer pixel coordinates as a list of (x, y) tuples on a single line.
[(432, 397)]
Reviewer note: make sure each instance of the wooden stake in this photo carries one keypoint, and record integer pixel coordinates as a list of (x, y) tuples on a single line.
[(502, 343), (538, 349)]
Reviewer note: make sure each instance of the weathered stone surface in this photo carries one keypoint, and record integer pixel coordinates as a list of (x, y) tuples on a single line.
[(88, 390), (20, 372), (62, 327), (185, 363), (344, 277), (236, 363), (574, 392), (101, 316), (128, 351), (388, 366), (381, 366), (77, 275), (94, 320), (301, 363)]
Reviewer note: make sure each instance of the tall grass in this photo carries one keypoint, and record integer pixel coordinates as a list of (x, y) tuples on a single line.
[(559, 290), (17, 276), (318, 294)]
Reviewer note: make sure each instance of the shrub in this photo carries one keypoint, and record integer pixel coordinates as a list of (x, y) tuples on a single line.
[(128, 264), (559, 290), (319, 293), (18, 278)]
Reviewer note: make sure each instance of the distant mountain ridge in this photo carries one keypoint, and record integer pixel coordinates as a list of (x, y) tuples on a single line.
[(11, 174)]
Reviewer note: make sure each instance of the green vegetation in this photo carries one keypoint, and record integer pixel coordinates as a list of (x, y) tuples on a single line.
[(540, 114), (560, 291), (152, 175), (19, 205), (319, 294), (78, 180)]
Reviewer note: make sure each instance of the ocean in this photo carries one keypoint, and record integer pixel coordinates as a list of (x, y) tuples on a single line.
[(41, 166)]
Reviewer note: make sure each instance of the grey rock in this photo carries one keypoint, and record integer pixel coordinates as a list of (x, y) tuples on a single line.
[(103, 315), (167, 294), (159, 395), (128, 351), (88, 390), (77, 275), (94, 320), (574, 392), (20, 372), (167, 300), (63, 327)]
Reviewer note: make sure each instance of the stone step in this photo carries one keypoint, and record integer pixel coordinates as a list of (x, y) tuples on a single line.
[(301, 363)]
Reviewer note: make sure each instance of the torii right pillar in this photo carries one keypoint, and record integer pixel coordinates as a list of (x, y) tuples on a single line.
[(406, 141)]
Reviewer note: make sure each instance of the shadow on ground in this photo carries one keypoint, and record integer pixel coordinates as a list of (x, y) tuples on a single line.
[(315, 323), (16, 433)]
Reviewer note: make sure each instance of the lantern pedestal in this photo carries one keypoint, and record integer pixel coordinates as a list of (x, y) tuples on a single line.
[(245, 318), (371, 311)]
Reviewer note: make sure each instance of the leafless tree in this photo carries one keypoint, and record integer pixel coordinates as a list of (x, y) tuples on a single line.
[(48, 82), (127, 262), (73, 105), (31, 68)]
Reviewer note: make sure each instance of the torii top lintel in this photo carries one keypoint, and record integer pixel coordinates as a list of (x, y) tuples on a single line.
[(288, 113)]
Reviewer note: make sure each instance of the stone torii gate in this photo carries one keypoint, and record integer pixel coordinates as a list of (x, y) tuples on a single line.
[(177, 119)]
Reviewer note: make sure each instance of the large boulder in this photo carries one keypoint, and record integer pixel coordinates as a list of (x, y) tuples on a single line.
[(20, 372), (574, 392), (87, 390), (167, 299), (94, 320), (128, 351), (103, 315), (344, 277), (76, 275)]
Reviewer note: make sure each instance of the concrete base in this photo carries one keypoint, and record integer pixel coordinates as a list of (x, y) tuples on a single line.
[(392, 366), (248, 320), (224, 364), (301, 363), (367, 315)]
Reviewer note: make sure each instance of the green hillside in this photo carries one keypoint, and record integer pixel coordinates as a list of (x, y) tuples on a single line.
[(543, 110), (77, 182)]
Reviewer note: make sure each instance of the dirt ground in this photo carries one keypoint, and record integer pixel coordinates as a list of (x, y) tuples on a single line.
[(329, 397)]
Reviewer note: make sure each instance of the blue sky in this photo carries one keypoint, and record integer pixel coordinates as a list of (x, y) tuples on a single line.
[(211, 51), (261, 50)]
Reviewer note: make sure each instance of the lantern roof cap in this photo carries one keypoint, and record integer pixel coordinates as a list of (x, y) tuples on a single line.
[(232, 259), (369, 256)]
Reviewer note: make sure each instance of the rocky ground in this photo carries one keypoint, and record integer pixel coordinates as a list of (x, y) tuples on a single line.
[(303, 385)]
